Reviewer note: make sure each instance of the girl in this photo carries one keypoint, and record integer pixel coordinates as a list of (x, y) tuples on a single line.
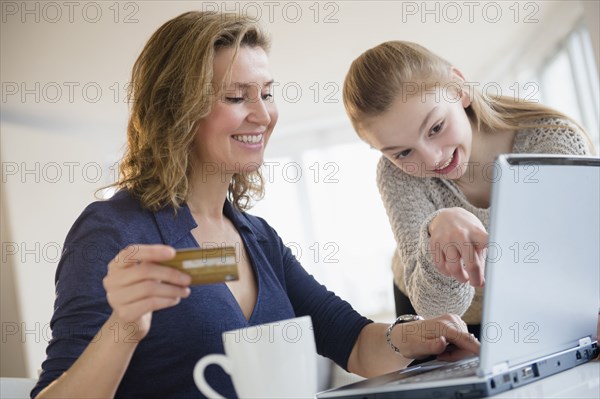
[(438, 137)]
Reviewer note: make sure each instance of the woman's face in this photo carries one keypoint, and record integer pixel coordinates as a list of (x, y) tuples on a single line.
[(232, 138), (425, 135)]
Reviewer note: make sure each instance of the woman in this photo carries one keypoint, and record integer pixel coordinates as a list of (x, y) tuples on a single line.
[(126, 326), (439, 137)]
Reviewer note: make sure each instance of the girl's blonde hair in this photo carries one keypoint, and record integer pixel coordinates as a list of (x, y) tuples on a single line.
[(171, 90), (396, 68)]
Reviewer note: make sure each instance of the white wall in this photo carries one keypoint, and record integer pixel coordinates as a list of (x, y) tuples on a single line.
[(48, 178), (12, 361)]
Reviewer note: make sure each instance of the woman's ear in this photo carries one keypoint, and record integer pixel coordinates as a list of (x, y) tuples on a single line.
[(465, 97)]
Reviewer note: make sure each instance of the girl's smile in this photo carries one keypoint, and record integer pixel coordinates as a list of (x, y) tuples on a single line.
[(425, 137)]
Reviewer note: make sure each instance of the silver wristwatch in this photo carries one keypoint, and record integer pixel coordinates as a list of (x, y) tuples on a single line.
[(405, 318)]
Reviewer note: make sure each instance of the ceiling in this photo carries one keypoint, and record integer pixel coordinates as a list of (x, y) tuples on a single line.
[(65, 68)]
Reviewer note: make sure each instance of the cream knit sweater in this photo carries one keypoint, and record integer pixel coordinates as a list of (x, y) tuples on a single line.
[(410, 204)]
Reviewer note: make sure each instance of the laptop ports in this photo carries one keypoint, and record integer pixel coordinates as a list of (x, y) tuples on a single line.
[(526, 373)]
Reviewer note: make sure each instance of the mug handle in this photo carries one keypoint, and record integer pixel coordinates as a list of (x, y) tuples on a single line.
[(199, 379)]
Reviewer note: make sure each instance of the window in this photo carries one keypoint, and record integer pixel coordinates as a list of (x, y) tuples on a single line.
[(325, 205), (566, 79), (569, 81)]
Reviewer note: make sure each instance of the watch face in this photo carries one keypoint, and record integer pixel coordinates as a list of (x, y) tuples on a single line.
[(409, 317)]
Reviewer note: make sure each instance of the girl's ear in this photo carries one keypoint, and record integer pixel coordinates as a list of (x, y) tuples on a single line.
[(455, 72), (465, 98)]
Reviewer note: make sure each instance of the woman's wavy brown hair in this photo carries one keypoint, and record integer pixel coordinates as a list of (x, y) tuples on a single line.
[(379, 75), (171, 90)]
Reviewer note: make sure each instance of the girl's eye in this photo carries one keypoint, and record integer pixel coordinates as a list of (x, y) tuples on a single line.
[(402, 154), (267, 97), (437, 128), (234, 100)]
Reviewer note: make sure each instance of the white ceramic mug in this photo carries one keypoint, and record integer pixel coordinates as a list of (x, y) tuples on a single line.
[(274, 360)]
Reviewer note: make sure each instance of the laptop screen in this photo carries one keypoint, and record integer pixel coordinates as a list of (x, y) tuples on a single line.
[(544, 235)]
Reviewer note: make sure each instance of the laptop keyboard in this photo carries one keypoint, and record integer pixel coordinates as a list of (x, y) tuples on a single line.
[(465, 369)]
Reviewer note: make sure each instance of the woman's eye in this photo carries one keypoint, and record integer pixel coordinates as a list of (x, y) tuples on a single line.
[(402, 154), (234, 100), (267, 97), (437, 128)]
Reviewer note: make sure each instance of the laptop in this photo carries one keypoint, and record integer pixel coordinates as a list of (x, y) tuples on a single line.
[(542, 294)]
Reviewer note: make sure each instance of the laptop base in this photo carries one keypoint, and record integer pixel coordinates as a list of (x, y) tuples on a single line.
[(390, 385)]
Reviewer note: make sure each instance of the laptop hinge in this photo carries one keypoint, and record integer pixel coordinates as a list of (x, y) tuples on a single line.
[(585, 341), (500, 368)]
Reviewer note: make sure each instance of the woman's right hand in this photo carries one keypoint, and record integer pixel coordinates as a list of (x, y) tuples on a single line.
[(136, 285), (457, 244)]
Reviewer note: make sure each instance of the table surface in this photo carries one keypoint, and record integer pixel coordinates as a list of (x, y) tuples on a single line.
[(579, 382)]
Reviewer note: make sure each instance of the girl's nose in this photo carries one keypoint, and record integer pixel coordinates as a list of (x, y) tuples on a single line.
[(432, 157)]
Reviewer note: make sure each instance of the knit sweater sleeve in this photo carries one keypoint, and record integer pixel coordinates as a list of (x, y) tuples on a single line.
[(410, 208), (553, 136)]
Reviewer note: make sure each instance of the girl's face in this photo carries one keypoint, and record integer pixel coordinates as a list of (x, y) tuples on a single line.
[(425, 135), (233, 136)]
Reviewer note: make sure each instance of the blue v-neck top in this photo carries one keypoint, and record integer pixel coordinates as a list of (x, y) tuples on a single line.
[(179, 336)]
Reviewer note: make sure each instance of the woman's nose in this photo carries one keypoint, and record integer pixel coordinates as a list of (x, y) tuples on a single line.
[(259, 112)]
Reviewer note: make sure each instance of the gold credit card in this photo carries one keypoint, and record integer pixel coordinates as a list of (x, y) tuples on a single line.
[(206, 265)]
